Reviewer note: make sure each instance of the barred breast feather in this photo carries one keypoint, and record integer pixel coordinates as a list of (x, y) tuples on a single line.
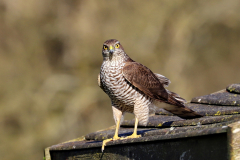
[(120, 91)]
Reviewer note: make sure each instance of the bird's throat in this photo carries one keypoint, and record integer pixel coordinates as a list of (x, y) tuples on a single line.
[(110, 56)]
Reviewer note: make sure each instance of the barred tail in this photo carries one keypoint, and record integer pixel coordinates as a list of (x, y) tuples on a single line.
[(178, 107)]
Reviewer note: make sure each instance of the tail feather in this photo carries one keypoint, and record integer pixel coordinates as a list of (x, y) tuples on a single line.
[(176, 96), (179, 108)]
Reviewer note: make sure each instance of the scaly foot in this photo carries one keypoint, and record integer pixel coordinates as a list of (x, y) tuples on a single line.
[(108, 140), (134, 135)]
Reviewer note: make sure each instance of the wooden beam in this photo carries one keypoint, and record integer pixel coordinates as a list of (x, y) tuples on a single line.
[(233, 135)]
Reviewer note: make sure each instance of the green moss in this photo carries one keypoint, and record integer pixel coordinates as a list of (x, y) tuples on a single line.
[(160, 124), (218, 113)]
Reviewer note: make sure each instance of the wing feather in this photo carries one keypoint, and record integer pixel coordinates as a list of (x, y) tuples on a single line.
[(164, 80), (145, 80)]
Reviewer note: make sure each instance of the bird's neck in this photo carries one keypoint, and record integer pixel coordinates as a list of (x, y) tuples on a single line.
[(117, 60)]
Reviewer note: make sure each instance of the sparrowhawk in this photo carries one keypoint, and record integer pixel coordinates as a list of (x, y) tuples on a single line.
[(134, 88)]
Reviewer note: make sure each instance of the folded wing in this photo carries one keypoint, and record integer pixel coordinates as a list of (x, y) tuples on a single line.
[(153, 86)]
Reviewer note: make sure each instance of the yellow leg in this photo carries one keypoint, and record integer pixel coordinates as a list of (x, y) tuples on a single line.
[(115, 137), (134, 135)]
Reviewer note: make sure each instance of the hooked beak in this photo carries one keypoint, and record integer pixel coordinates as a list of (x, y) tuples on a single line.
[(111, 50)]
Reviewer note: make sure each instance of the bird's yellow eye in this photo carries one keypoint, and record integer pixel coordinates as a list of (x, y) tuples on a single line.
[(117, 46), (105, 47)]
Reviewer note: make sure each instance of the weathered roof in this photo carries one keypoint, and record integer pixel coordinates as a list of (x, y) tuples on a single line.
[(219, 109)]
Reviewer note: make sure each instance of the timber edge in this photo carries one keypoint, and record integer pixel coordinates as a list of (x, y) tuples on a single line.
[(221, 111)]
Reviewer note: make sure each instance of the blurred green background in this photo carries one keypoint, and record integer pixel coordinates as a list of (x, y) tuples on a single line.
[(50, 56)]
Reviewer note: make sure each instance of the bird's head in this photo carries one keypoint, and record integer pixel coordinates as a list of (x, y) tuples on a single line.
[(112, 49)]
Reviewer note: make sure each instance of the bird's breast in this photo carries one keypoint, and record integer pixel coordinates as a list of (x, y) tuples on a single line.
[(115, 85)]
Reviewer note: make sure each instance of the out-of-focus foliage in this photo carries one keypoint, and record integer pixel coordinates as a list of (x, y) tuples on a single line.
[(50, 56)]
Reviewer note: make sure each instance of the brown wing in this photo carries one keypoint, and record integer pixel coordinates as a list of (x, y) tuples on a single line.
[(145, 80), (164, 80)]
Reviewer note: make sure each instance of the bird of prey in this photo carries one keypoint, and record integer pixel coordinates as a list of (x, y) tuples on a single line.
[(134, 88)]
